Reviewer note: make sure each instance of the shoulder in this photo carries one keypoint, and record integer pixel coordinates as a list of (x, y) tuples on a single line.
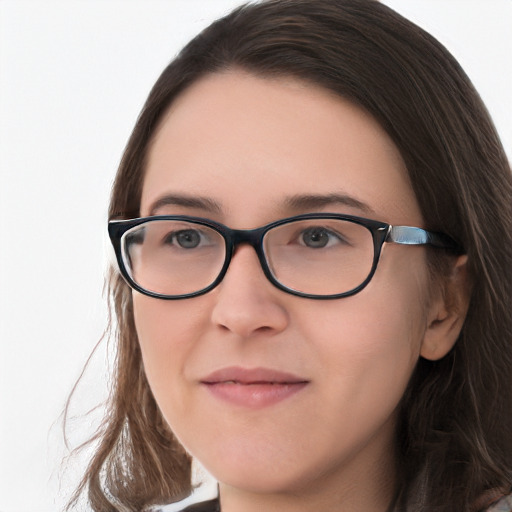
[(204, 506), (502, 505)]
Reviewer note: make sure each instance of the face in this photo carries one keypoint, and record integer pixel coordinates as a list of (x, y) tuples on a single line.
[(273, 392)]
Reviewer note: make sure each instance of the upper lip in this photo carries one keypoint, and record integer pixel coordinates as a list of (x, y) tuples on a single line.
[(252, 376)]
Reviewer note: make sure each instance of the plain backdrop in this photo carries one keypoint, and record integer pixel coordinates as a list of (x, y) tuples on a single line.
[(73, 77)]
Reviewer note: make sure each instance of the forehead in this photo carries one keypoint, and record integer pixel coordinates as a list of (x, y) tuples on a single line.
[(249, 144)]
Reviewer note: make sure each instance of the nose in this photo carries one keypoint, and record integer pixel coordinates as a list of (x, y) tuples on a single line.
[(247, 304)]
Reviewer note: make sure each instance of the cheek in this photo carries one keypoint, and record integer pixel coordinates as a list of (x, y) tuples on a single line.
[(375, 352), (370, 342), (166, 331)]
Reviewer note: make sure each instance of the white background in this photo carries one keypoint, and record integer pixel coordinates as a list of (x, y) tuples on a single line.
[(73, 77)]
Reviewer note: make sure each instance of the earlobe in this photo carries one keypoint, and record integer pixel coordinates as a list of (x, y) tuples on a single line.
[(447, 312)]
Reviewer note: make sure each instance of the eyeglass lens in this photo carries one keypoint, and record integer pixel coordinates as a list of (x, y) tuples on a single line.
[(314, 256)]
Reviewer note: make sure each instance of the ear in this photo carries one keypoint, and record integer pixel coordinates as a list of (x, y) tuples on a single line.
[(447, 311)]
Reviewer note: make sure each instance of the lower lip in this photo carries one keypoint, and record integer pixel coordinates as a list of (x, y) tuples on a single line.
[(254, 396)]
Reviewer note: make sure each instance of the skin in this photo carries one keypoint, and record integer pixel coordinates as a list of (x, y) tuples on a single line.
[(248, 143)]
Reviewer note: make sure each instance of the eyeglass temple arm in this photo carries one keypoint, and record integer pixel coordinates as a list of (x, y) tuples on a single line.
[(409, 235)]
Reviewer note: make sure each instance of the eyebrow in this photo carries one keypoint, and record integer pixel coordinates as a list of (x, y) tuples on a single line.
[(202, 203), (314, 201)]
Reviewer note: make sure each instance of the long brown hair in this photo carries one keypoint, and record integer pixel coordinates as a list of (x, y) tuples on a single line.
[(454, 436)]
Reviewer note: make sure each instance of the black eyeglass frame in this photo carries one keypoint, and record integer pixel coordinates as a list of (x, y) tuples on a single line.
[(381, 232)]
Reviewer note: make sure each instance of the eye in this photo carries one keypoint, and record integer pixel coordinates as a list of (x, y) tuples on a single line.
[(185, 238), (318, 237)]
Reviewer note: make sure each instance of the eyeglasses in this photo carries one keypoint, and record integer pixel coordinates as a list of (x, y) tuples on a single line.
[(317, 255)]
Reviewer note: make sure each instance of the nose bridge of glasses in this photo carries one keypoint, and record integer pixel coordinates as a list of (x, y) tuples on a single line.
[(246, 236), (252, 237)]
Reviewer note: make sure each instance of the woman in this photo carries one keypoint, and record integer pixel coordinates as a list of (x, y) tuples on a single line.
[(275, 319)]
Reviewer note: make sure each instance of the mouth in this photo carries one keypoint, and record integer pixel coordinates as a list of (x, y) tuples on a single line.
[(253, 388)]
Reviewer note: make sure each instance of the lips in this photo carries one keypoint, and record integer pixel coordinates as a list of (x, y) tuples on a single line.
[(253, 388)]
